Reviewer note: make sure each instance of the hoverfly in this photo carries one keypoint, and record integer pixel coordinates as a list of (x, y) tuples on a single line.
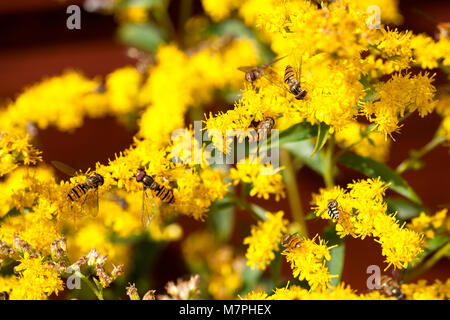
[(292, 76), (253, 73), (150, 187), (333, 209), (390, 286), (443, 30), (263, 128), (87, 191), (290, 241)]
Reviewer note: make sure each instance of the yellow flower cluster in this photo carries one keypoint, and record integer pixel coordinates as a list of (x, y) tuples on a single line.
[(264, 179), (44, 105), (372, 144), (179, 81), (362, 213), (136, 14), (308, 262), (16, 148), (422, 291), (443, 108), (344, 63), (264, 239), (330, 41), (220, 9), (428, 225), (400, 95), (430, 54), (36, 280), (341, 292)]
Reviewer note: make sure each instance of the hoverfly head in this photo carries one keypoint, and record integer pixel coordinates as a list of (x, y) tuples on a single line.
[(141, 174), (251, 76)]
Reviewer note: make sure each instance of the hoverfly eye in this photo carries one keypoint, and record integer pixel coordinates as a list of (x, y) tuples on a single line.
[(251, 76), (140, 176)]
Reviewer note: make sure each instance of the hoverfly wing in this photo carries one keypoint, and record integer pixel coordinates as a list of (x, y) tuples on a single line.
[(273, 61), (247, 68), (270, 75), (296, 61), (90, 203), (64, 168), (149, 207)]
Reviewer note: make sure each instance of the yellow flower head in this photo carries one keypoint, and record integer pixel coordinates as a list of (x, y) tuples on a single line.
[(362, 213), (308, 262), (265, 180), (36, 280), (264, 240)]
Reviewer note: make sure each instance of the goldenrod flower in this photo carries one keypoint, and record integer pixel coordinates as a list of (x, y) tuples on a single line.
[(220, 9), (36, 280), (308, 262), (422, 291), (428, 224), (373, 145), (398, 96), (264, 239), (15, 148), (122, 87), (341, 292), (264, 179), (134, 13), (363, 213)]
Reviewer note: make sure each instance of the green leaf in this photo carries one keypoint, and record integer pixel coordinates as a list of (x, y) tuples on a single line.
[(259, 211), (231, 26), (322, 137), (143, 36), (310, 216), (275, 269), (375, 169), (221, 218), (297, 132), (336, 264), (432, 245), (148, 4), (250, 278), (302, 151), (405, 209)]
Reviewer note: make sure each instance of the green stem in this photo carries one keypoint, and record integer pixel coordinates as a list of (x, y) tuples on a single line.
[(162, 18), (255, 210), (328, 163), (293, 192), (184, 14), (444, 251), (98, 293), (416, 155)]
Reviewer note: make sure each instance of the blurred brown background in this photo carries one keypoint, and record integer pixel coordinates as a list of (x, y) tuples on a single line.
[(35, 43)]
